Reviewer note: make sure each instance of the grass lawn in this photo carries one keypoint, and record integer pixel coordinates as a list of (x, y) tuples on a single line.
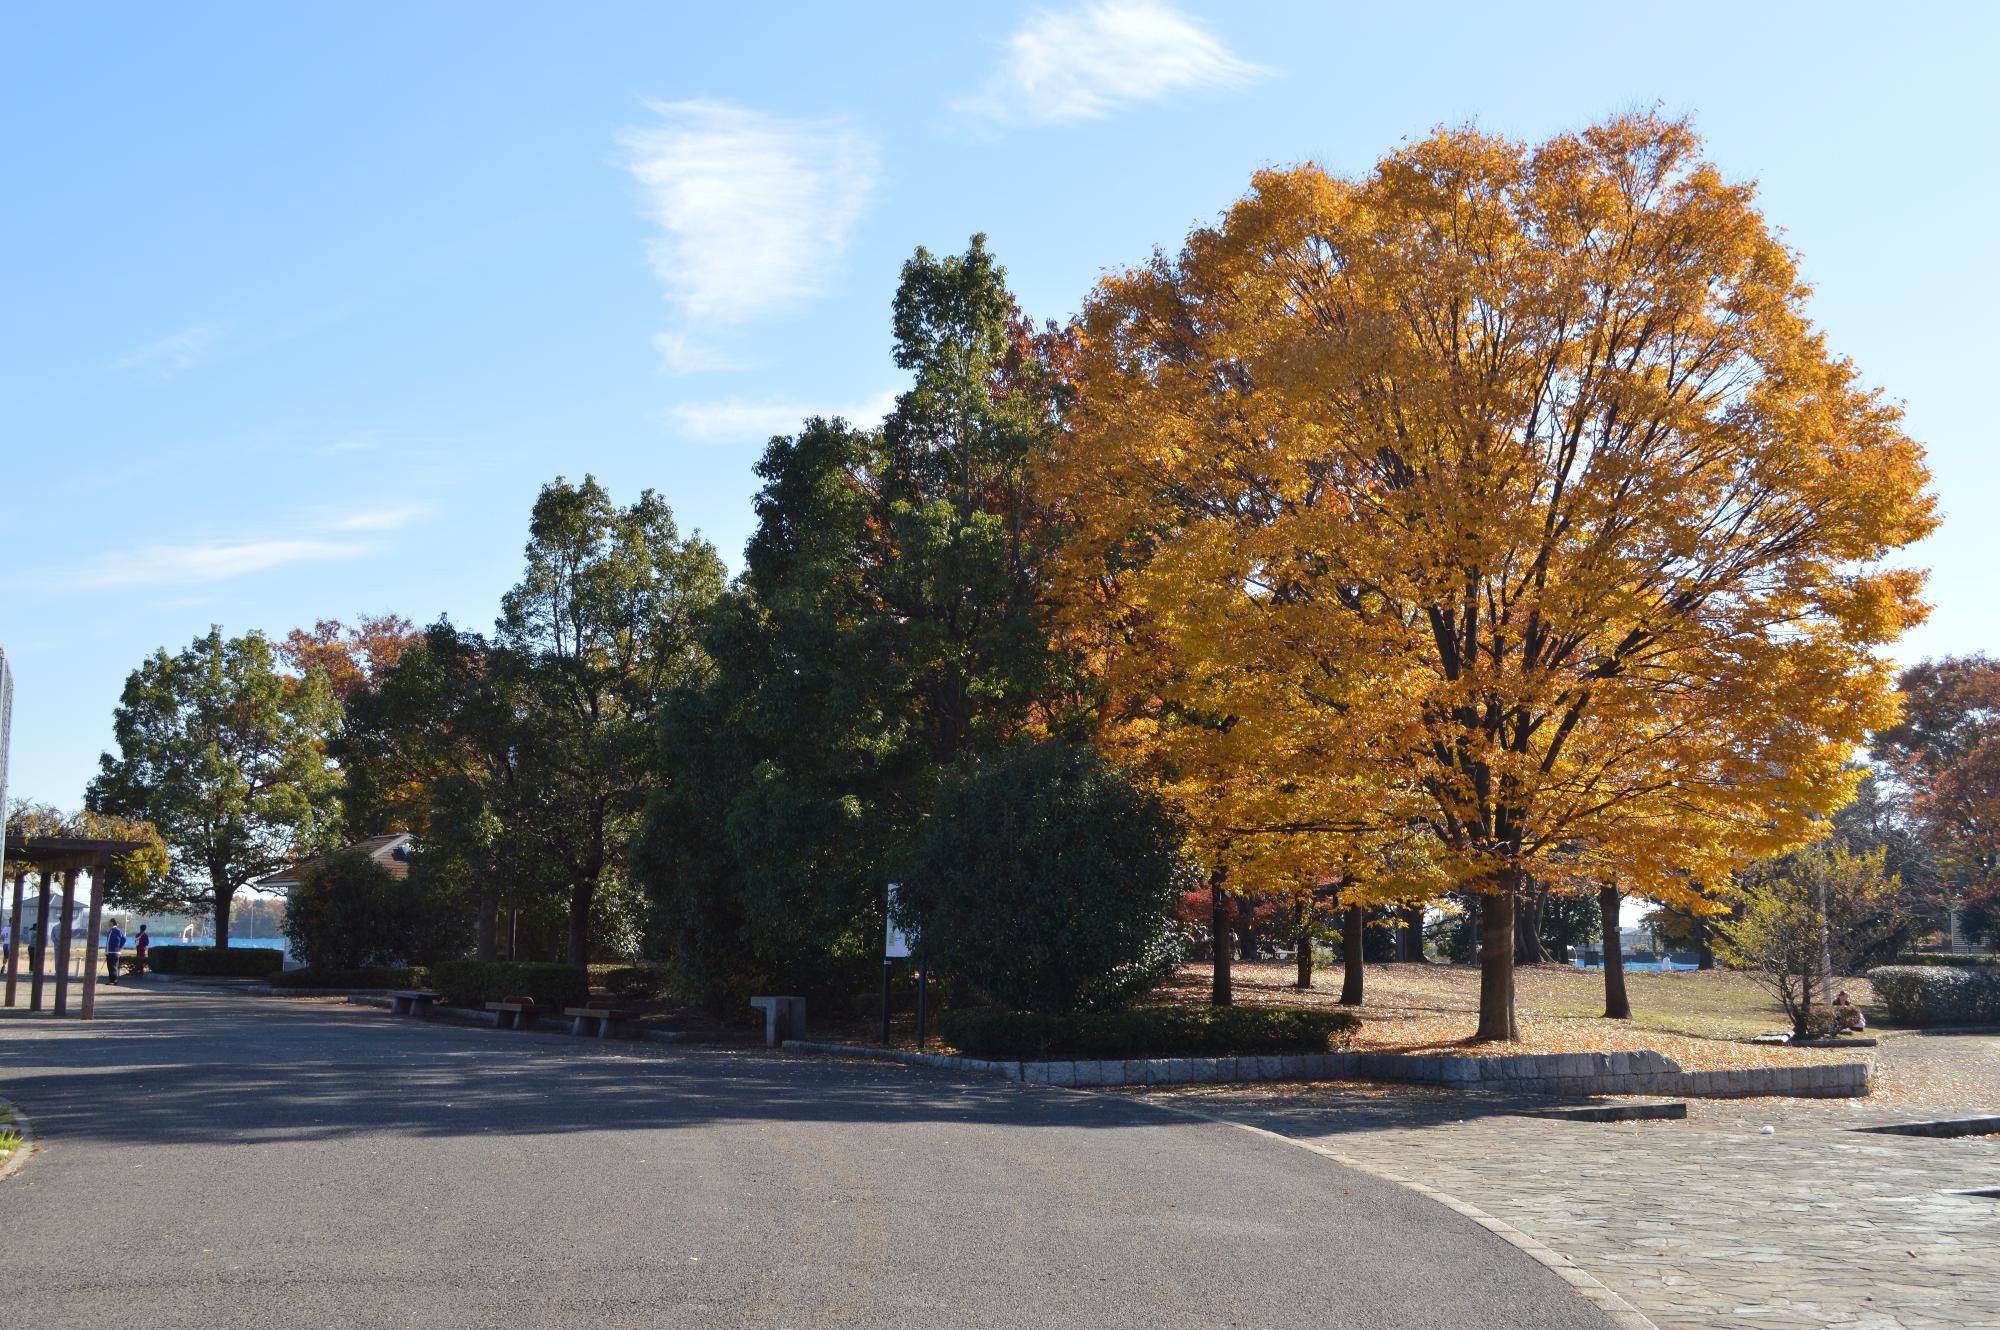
[(1694, 1017)]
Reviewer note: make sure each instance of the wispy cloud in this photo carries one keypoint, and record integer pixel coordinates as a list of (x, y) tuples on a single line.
[(751, 211), (175, 352), (331, 534), (734, 420), (1084, 63), (385, 518), (205, 561)]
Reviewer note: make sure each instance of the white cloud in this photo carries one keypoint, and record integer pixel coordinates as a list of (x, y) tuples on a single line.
[(733, 420), (175, 352), (385, 518), (751, 210), (202, 562), (1084, 63)]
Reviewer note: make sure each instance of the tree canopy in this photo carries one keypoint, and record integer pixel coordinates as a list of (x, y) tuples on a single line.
[(1507, 487), (227, 758)]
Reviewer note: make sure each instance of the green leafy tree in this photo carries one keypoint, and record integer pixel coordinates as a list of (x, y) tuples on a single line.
[(429, 748), (1046, 880), (1811, 913), (888, 621), (347, 911), (227, 758), (603, 625)]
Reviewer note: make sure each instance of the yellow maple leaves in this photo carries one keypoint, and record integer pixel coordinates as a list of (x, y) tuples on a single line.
[(1506, 493)]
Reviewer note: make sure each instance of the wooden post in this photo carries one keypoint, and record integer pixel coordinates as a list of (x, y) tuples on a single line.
[(88, 1011), (41, 951), (14, 932), (66, 924)]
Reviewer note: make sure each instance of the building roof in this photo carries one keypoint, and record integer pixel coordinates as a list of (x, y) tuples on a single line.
[(390, 850)]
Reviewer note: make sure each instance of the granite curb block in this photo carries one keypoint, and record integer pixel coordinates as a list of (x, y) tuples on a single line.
[(1571, 1075), (19, 1122)]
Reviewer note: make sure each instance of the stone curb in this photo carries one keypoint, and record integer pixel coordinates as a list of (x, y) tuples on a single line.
[(1621, 1313), (1570, 1075), (20, 1123)]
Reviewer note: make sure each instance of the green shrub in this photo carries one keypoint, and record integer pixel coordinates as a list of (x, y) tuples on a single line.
[(989, 1032), (1966, 960), (635, 983), (374, 976), (1046, 880), (348, 912), (475, 983), (217, 962), (1939, 994)]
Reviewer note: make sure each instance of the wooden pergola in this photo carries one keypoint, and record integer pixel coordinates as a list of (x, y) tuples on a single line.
[(59, 858)]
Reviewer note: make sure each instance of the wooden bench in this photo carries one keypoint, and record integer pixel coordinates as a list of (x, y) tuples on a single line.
[(605, 1021), (513, 1015), (412, 1001)]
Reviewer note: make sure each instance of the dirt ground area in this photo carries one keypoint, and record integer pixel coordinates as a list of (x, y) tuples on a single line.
[(1697, 1018)]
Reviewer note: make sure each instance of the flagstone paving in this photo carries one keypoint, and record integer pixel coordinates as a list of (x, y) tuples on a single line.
[(1710, 1222)]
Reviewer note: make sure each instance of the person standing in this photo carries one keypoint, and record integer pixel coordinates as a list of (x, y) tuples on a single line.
[(114, 942), (140, 946)]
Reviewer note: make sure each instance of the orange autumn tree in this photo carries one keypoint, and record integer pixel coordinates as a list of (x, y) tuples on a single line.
[(1508, 483)]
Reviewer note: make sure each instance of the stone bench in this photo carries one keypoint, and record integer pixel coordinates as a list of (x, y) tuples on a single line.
[(512, 1015), (784, 1018), (413, 1001), (605, 1022)]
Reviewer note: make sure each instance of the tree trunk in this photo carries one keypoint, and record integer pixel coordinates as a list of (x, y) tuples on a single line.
[(1351, 961), (486, 929), (1221, 994), (1303, 947), (579, 922), (1617, 1006), (1496, 962), (1413, 934), (1528, 925), (1704, 941), (225, 896)]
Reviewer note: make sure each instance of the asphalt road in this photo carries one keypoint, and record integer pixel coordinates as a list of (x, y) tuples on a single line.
[(212, 1160)]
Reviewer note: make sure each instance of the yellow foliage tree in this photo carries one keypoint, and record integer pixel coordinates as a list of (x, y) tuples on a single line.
[(1508, 487)]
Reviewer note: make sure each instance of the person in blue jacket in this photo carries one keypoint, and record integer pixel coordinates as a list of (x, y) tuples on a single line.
[(114, 942)]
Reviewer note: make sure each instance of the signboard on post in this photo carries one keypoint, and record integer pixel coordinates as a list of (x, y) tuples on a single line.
[(895, 946)]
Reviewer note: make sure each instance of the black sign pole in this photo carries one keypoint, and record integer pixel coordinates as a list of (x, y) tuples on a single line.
[(887, 966), (923, 984)]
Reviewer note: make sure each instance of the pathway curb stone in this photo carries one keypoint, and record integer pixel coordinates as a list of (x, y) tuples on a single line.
[(1570, 1075)]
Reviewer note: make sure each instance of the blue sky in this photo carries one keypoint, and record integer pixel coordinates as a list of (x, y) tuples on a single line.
[(303, 303)]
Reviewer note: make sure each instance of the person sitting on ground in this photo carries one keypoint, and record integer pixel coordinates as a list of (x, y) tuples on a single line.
[(114, 942), (1847, 1016)]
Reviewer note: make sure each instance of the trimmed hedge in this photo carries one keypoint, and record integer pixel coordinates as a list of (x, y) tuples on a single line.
[(216, 962), (375, 976), (989, 1032), (476, 983), (1939, 994), (1963, 959), (629, 983)]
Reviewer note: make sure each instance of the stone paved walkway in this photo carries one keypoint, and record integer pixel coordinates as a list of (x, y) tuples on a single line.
[(1707, 1223)]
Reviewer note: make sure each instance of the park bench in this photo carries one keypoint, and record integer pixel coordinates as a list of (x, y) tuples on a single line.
[(513, 1015), (412, 1001), (603, 1021)]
